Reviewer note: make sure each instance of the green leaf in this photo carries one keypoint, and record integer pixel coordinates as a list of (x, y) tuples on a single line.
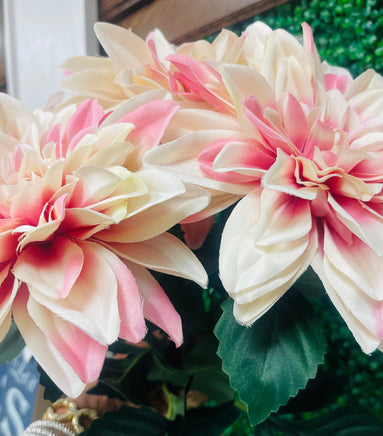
[(51, 391), (204, 421), (162, 372), (130, 421), (127, 377), (345, 421), (309, 284), (206, 368), (323, 391), (11, 345), (269, 362)]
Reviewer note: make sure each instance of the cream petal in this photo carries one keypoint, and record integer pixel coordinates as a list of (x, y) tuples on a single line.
[(254, 45), (44, 351), (357, 262), (228, 46), (180, 157), (77, 64), (246, 314), (189, 120), (218, 201), (15, 118), (112, 154), (94, 84), (9, 286), (140, 226), (164, 253), (363, 221), (91, 304), (281, 177), (246, 158), (130, 305), (283, 218), (366, 339), (248, 270), (125, 49), (95, 184), (51, 268), (242, 81), (134, 103), (85, 355)]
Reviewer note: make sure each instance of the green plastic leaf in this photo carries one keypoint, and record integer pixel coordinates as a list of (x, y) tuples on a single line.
[(309, 284), (204, 421), (200, 370), (127, 378), (51, 391), (130, 421), (162, 372), (269, 362), (11, 345)]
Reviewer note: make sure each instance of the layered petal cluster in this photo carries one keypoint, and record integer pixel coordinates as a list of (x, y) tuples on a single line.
[(305, 151), (80, 223), (135, 66)]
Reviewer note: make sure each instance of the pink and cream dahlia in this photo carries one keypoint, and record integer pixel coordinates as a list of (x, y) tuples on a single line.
[(134, 65), (308, 160), (79, 229)]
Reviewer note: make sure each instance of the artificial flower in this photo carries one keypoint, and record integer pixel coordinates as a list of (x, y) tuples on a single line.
[(308, 160), (80, 222), (135, 66)]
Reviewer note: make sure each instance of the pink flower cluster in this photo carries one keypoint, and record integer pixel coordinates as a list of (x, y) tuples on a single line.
[(157, 135)]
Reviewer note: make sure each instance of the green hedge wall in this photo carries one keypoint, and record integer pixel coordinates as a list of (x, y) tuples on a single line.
[(348, 33)]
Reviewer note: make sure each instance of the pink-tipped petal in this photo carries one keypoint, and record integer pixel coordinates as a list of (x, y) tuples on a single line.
[(164, 253), (130, 304), (150, 121), (91, 304), (250, 271), (44, 351), (196, 233), (84, 354), (52, 268), (157, 307)]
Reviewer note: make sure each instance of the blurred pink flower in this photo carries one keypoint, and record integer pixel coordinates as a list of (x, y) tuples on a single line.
[(308, 159), (78, 229)]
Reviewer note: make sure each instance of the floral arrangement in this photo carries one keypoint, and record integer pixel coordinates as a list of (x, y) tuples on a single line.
[(236, 171)]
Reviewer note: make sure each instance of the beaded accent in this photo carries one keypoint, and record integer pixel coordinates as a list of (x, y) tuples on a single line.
[(47, 428)]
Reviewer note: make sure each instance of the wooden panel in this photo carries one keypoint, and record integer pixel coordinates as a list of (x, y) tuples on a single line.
[(184, 20), (114, 10)]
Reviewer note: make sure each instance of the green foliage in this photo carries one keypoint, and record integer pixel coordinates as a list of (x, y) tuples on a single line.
[(269, 362), (128, 421), (204, 421), (11, 345), (348, 33), (364, 373), (340, 422)]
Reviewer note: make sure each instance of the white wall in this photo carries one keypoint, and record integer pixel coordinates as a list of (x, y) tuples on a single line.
[(39, 35)]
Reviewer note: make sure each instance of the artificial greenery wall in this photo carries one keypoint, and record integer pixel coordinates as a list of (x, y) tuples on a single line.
[(348, 33)]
